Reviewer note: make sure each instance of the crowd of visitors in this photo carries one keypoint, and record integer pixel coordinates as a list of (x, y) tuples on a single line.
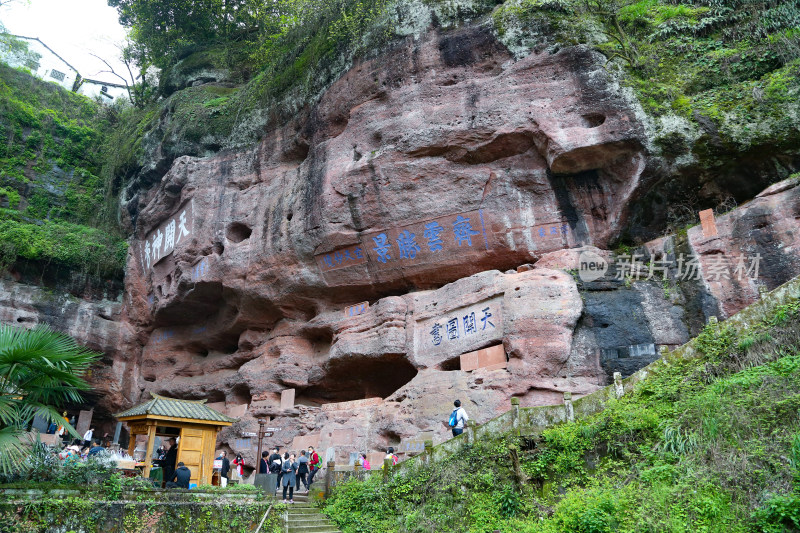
[(292, 471), (80, 450)]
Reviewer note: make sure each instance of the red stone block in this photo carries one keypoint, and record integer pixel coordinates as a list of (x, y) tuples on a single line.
[(493, 355)]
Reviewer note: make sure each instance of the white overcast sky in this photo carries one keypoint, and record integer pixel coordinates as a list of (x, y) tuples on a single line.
[(74, 29)]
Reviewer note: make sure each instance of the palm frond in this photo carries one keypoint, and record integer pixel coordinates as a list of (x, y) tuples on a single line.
[(40, 370)]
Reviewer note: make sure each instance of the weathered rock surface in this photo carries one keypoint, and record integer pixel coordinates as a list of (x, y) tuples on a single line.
[(98, 325), (415, 209), (435, 202)]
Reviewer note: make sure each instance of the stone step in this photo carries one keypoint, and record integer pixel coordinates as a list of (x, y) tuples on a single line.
[(300, 511), (313, 529), (299, 505), (309, 523), (306, 517)]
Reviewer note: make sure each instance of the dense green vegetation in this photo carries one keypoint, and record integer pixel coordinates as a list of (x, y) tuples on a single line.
[(727, 68), (716, 77), (40, 371), (709, 444), (718, 80), (55, 202)]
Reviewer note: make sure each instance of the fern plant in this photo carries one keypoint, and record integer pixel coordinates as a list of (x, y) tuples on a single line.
[(40, 370)]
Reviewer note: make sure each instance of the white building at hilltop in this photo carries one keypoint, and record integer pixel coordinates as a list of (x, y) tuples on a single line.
[(46, 64)]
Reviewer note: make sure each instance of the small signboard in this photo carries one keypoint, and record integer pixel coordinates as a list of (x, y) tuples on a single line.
[(708, 223), (412, 446), (273, 429), (249, 434), (355, 310), (268, 433)]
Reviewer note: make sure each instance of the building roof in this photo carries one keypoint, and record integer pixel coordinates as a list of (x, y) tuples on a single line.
[(171, 407), (42, 43), (85, 80), (99, 82)]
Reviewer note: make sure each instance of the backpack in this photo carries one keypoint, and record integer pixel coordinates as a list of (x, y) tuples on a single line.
[(454, 418)]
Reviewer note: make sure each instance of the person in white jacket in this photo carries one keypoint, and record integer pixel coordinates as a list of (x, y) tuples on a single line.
[(460, 418), (87, 437)]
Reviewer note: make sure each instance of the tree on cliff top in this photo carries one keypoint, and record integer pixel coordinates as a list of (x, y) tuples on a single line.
[(40, 370)]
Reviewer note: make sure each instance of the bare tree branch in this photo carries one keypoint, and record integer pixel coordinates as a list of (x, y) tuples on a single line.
[(112, 71)]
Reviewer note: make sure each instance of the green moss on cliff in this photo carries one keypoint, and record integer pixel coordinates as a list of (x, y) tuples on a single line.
[(727, 71), (51, 171), (708, 444)]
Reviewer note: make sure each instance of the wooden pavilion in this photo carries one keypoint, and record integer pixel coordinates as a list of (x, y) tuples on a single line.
[(194, 424)]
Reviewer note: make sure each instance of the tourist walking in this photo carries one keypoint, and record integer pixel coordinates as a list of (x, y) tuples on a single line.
[(87, 438), (313, 464), (289, 470), (225, 468), (263, 465), (390, 455), (302, 470), (275, 463), (458, 419), (364, 462), (238, 464)]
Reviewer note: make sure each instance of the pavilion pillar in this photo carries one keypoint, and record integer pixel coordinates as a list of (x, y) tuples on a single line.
[(132, 444), (148, 458)]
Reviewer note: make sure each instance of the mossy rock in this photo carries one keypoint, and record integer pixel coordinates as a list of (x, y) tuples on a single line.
[(205, 66)]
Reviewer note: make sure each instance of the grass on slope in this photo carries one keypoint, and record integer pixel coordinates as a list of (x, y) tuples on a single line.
[(711, 444), (53, 197)]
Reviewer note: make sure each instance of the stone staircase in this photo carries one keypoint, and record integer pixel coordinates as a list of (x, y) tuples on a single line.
[(302, 516)]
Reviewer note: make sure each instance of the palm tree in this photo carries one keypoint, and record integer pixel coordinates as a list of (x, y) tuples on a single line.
[(40, 370)]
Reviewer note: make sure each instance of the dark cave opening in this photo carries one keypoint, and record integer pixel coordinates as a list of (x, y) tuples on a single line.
[(358, 378)]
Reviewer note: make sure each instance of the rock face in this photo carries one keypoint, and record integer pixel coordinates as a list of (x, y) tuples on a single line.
[(243, 263), (98, 325), (353, 257), (339, 276)]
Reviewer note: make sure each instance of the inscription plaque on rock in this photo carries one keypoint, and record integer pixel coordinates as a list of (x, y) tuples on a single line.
[(493, 357), (302, 442), (461, 330), (162, 241), (355, 310), (418, 243), (287, 399), (708, 223)]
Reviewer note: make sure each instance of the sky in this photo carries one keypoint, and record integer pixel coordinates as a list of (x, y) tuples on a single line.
[(74, 29)]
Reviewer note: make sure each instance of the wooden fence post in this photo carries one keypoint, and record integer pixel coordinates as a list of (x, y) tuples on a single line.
[(570, 411), (515, 415), (387, 466), (329, 478)]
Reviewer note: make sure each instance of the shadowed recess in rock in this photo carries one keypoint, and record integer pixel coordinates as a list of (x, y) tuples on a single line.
[(358, 378)]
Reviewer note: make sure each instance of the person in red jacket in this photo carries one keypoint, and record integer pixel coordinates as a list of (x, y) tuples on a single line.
[(313, 464), (238, 463)]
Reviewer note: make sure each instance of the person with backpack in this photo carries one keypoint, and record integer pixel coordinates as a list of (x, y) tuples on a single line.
[(458, 419), (275, 462), (390, 455), (313, 464)]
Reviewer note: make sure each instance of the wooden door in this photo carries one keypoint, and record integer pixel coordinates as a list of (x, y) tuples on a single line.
[(190, 451)]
